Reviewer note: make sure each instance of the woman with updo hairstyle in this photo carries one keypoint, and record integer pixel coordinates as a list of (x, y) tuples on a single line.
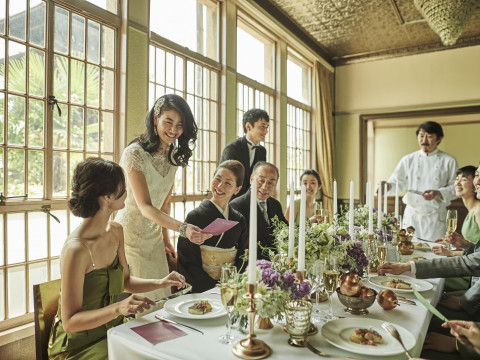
[(201, 264), (150, 162), (312, 182), (94, 269)]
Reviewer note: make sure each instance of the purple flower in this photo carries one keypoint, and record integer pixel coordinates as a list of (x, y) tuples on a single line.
[(301, 290), (264, 264), (288, 280), (270, 277), (356, 252)]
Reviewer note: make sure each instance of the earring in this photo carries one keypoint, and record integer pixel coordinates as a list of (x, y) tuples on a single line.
[(155, 130)]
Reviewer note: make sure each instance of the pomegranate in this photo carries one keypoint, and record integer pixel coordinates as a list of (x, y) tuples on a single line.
[(387, 299), (350, 284)]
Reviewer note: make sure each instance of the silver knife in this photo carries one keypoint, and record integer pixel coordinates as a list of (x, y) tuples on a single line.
[(178, 293), (405, 300), (158, 317)]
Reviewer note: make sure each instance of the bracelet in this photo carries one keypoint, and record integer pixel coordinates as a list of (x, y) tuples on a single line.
[(183, 229)]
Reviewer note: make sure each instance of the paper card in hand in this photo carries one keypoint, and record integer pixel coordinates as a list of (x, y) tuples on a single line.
[(219, 226)]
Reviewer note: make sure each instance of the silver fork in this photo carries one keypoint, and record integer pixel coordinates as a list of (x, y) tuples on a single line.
[(321, 353), (391, 329)]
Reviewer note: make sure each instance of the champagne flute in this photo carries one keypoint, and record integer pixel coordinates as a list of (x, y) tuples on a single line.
[(370, 249), (319, 211), (330, 281), (229, 292), (314, 274), (451, 224)]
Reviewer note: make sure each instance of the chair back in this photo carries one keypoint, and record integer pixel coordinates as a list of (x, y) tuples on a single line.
[(45, 299)]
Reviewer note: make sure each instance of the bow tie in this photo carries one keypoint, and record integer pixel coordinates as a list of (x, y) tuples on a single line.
[(252, 146)]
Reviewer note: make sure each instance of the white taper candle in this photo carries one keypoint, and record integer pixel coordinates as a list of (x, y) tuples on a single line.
[(291, 221), (252, 244), (301, 235)]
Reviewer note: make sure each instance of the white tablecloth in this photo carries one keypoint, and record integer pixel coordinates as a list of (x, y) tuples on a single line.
[(125, 344)]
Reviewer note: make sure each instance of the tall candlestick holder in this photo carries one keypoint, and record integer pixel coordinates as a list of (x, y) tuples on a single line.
[(251, 347), (290, 262)]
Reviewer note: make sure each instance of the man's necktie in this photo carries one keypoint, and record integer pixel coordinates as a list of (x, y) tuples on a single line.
[(263, 207)]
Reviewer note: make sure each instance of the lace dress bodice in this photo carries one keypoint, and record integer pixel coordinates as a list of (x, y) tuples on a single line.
[(144, 246)]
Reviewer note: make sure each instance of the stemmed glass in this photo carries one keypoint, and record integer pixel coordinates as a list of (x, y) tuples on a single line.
[(451, 224), (382, 249), (330, 281), (370, 249), (319, 212), (229, 292), (314, 274)]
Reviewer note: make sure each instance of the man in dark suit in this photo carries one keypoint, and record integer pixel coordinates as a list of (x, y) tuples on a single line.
[(247, 149), (266, 177)]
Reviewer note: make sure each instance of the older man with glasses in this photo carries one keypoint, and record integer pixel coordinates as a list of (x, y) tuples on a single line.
[(265, 175)]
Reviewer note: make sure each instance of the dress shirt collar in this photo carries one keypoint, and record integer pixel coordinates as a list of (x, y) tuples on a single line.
[(433, 153), (250, 143)]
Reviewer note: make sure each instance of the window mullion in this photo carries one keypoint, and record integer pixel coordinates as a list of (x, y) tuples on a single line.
[(48, 175)]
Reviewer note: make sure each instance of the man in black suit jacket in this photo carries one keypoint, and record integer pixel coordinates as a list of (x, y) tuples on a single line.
[(266, 177), (247, 149)]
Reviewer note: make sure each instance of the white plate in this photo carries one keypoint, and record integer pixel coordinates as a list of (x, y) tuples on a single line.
[(419, 285), (179, 306), (422, 247), (337, 333)]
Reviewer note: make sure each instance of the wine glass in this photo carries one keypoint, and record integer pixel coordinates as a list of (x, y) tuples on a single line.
[(451, 225), (229, 292), (319, 212), (314, 274), (370, 249), (330, 280), (382, 247)]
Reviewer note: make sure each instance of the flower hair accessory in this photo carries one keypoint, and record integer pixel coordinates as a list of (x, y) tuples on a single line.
[(157, 108)]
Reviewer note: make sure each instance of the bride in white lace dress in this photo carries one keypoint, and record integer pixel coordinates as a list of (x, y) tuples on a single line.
[(150, 163)]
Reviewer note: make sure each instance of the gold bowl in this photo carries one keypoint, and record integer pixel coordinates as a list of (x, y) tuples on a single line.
[(356, 305)]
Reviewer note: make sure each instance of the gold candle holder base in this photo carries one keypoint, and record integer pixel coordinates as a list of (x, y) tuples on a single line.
[(290, 262), (251, 347), (301, 275)]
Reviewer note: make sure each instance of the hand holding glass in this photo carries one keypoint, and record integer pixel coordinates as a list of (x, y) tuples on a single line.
[(451, 225), (229, 292)]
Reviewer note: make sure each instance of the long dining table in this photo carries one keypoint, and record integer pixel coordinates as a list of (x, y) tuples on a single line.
[(125, 344)]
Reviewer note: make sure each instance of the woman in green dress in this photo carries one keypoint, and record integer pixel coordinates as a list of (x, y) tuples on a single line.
[(94, 269), (312, 182)]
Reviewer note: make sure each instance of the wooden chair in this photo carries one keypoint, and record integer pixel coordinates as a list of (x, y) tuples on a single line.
[(45, 298)]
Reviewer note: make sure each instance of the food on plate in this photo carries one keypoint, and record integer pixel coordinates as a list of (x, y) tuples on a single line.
[(398, 284), (422, 245), (387, 299), (366, 337), (416, 258), (200, 308)]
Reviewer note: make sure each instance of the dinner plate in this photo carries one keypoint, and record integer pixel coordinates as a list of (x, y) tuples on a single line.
[(179, 306), (419, 285), (337, 333)]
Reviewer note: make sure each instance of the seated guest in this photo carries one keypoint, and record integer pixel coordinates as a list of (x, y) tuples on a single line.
[(312, 182), (470, 228), (94, 269), (265, 176), (201, 265)]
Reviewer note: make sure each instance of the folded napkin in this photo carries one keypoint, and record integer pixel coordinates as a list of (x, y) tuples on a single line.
[(158, 331)]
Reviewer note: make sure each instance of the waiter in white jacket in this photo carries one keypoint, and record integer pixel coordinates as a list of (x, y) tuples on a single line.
[(428, 176)]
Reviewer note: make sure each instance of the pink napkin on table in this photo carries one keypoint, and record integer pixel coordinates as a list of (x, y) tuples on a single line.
[(219, 226), (159, 331)]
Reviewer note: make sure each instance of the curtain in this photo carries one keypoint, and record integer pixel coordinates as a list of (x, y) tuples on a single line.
[(324, 126)]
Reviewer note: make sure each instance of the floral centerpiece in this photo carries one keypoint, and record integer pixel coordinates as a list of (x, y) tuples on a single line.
[(320, 240), (360, 221), (275, 287)]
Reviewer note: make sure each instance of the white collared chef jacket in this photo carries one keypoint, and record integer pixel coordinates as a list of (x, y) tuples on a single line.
[(419, 171)]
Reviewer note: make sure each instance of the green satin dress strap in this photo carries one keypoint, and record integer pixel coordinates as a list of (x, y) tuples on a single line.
[(101, 288), (470, 229)]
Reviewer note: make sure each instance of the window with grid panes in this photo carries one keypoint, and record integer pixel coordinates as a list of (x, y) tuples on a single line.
[(39, 147), (299, 118), (198, 83)]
